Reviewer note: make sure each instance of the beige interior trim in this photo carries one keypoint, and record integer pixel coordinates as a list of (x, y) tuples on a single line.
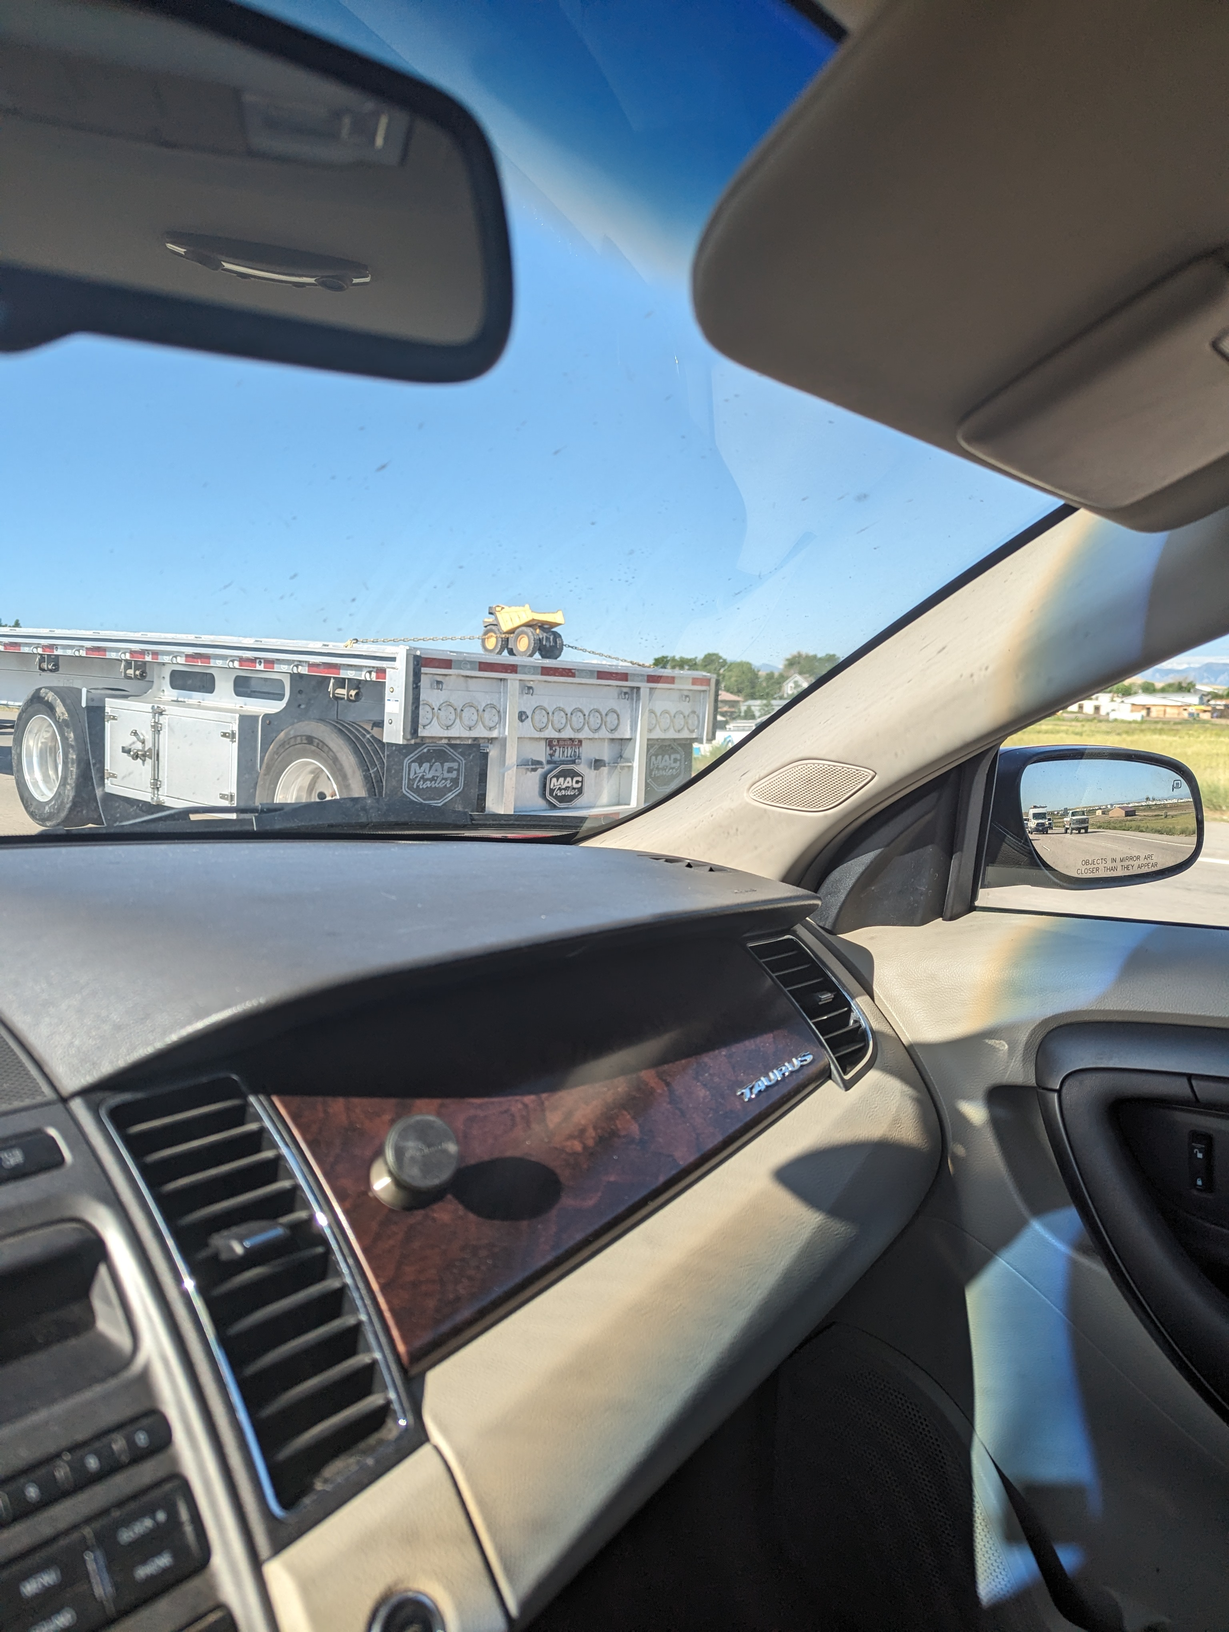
[(974, 998), (1081, 606), (996, 982), (406, 1533), (560, 1421), (852, 14), (965, 189)]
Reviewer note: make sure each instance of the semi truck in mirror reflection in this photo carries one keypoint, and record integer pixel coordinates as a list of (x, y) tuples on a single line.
[(245, 721)]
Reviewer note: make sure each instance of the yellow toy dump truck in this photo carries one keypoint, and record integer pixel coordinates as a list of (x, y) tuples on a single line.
[(522, 631)]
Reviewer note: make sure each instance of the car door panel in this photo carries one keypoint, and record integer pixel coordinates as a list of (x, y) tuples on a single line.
[(1088, 1396)]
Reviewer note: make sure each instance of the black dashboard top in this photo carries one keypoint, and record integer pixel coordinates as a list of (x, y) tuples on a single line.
[(114, 953)]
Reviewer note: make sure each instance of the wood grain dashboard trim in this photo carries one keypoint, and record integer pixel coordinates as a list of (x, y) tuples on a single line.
[(545, 1176)]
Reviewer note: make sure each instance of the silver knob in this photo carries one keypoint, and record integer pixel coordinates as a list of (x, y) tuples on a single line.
[(407, 1612), (417, 1162)]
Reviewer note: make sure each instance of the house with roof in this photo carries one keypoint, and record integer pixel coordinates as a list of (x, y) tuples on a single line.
[(1146, 705)]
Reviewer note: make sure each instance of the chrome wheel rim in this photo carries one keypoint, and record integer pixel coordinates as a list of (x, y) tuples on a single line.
[(302, 781), (42, 757)]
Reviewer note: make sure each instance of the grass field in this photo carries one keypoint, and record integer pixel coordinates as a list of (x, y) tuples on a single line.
[(1204, 747), (1179, 826)]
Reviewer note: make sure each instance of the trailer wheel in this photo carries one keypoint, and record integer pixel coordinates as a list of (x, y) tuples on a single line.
[(51, 760), (493, 642), (317, 760), (524, 642)]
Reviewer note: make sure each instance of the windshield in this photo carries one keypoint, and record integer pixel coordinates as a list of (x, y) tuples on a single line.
[(543, 597)]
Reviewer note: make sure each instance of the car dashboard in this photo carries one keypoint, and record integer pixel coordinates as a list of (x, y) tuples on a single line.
[(248, 1378)]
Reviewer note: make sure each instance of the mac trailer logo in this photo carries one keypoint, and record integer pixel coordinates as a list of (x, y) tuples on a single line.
[(433, 775), (563, 784), (753, 1089), (665, 765)]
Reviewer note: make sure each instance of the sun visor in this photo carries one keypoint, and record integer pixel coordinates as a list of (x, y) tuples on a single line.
[(1131, 407), (1002, 229)]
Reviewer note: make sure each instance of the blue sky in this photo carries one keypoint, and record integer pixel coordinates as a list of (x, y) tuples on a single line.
[(1060, 784), (611, 463)]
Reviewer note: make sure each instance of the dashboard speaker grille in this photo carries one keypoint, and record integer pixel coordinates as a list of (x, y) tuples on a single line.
[(830, 1009), (284, 1320), (810, 785)]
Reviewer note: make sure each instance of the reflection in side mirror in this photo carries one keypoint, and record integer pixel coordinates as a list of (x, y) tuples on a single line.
[(1084, 818), (199, 175)]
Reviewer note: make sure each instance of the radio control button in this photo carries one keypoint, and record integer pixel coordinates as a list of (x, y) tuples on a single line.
[(151, 1543), (28, 1153), (89, 1463), (45, 1581), (77, 1611), (144, 1437), (30, 1492)]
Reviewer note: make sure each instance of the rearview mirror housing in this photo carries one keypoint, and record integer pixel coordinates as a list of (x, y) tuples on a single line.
[(1090, 818), (192, 173)]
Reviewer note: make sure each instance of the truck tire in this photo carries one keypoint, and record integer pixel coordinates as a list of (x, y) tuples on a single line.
[(51, 760), (524, 642), (550, 645), (320, 760)]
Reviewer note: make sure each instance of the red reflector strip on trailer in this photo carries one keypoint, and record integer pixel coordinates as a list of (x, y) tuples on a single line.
[(611, 674), (12, 645), (96, 651), (494, 668), (197, 657), (324, 668), (564, 674), (46, 648), (705, 683), (437, 662), (248, 663), (660, 679), (381, 674)]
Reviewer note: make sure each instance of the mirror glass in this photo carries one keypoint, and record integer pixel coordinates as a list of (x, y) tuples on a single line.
[(1107, 817), (146, 155)]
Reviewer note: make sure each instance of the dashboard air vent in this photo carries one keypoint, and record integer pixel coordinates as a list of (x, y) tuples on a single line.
[(284, 1321), (830, 1010)]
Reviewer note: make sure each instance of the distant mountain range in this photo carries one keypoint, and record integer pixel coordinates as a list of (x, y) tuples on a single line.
[(1204, 671)]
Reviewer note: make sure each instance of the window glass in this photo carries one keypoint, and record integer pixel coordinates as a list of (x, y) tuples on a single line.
[(674, 508), (1173, 711)]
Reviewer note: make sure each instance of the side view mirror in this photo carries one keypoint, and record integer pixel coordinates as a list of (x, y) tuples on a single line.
[(192, 173), (1088, 818)]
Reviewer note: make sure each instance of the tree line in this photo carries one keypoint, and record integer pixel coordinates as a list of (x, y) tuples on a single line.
[(1135, 688), (749, 684)]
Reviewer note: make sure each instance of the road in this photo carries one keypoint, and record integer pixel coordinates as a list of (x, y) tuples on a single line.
[(13, 818), (1198, 896), (1110, 853)]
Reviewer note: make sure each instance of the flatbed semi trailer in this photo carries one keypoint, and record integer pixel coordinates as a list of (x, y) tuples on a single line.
[(112, 725)]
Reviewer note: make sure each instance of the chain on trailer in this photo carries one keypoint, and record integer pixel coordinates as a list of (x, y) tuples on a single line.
[(111, 725)]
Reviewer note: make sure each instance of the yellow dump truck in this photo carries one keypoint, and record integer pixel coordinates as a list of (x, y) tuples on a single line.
[(522, 631)]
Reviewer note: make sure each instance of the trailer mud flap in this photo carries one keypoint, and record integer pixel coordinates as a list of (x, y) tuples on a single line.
[(667, 765), (442, 775)]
